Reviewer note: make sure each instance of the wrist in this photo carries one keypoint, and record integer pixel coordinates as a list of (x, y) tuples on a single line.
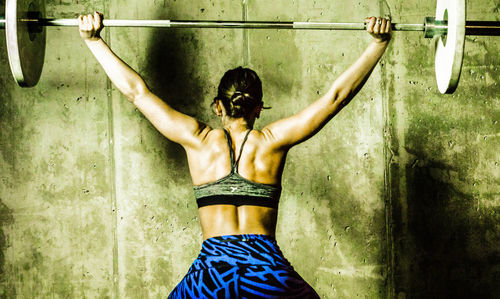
[(89, 40), (382, 42)]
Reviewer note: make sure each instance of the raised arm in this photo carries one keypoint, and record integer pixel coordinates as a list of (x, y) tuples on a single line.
[(174, 125), (290, 131)]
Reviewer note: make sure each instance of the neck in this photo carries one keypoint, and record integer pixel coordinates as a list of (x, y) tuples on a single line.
[(236, 124)]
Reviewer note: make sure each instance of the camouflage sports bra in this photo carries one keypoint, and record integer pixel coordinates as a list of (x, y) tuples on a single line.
[(234, 189)]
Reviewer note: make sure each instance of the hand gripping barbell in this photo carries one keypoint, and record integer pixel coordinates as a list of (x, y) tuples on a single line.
[(25, 23)]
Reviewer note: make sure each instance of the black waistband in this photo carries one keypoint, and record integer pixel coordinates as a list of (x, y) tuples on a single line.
[(241, 238), (237, 200)]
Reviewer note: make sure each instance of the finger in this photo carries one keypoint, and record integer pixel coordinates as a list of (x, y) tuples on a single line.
[(388, 26), (97, 16), (80, 21), (84, 22), (102, 19), (382, 26), (97, 20), (376, 27), (89, 22), (371, 23), (380, 22), (367, 21)]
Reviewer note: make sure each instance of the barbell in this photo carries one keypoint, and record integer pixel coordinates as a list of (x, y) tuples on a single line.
[(24, 23)]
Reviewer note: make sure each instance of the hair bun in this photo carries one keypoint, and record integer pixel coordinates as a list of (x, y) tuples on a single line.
[(241, 99), (240, 90), (239, 96), (240, 102)]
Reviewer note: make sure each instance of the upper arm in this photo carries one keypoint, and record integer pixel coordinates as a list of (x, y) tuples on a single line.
[(297, 128), (176, 126)]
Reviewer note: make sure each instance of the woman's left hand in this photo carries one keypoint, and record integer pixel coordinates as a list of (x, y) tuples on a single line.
[(379, 28)]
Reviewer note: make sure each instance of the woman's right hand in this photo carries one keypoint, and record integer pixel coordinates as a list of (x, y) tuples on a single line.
[(90, 26)]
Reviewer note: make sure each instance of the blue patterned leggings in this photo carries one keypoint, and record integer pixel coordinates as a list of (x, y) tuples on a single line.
[(242, 266)]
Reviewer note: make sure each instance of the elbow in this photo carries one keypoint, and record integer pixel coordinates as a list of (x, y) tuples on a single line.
[(136, 90), (340, 96)]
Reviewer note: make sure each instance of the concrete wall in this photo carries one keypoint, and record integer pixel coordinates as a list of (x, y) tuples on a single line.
[(397, 197), (444, 164)]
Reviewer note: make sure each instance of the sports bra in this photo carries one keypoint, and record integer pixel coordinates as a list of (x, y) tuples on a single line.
[(236, 190)]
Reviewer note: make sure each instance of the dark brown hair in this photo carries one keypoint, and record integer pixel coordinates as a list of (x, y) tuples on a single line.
[(240, 91)]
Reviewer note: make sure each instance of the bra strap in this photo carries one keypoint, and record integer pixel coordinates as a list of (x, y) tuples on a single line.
[(241, 151), (230, 145)]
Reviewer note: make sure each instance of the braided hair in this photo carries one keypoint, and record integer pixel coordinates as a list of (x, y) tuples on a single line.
[(240, 91)]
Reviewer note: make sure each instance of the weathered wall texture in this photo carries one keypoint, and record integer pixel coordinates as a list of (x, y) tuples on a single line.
[(56, 234), (445, 155), (397, 197)]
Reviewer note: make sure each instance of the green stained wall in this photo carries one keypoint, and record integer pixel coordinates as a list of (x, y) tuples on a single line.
[(397, 197), (444, 164)]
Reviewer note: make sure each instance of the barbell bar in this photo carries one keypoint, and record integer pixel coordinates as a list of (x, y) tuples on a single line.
[(431, 27), (25, 24), (222, 24)]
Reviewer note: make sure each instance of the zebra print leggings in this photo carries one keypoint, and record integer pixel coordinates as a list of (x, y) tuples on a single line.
[(242, 266)]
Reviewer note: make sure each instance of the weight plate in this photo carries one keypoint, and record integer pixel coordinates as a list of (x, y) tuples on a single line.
[(450, 47), (25, 40)]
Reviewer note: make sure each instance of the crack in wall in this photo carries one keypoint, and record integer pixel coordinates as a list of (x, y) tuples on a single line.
[(388, 154), (246, 36), (112, 170), (385, 9)]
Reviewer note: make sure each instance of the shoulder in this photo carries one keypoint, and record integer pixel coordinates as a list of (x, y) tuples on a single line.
[(213, 136), (264, 137), (261, 137), (264, 141)]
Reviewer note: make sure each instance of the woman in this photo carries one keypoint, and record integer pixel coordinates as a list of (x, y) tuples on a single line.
[(236, 170)]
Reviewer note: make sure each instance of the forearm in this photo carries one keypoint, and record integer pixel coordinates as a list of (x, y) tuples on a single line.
[(352, 80), (123, 77)]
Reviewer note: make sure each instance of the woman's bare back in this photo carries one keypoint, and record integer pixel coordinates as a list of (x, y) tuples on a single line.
[(259, 162)]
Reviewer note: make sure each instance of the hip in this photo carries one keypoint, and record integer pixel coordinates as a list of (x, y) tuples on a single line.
[(242, 266), (245, 250)]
